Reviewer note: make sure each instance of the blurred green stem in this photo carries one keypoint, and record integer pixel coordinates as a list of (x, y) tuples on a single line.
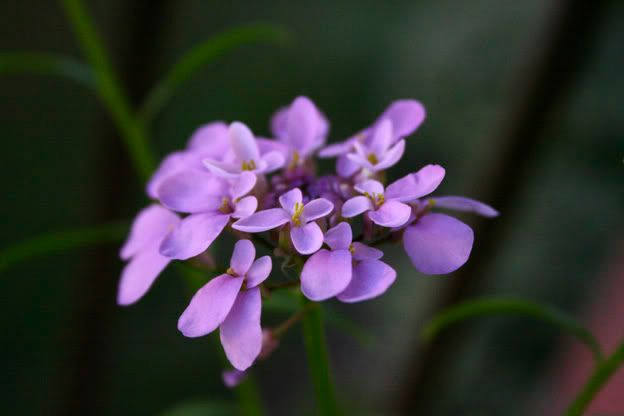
[(109, 89), (318, 360), (249, 398), (602, 373)]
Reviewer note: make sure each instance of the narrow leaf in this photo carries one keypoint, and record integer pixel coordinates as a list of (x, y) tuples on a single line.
[(201, 55), (46, 64), (61, 241), (510, 306)]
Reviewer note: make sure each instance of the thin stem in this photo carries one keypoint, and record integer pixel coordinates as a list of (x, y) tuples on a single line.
[(109, 90), (282, 285), (602, 373), (318, 361), (249, 397), (279, 330)]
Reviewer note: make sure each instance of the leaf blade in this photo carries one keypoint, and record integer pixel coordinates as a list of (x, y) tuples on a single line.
[(40, 63)]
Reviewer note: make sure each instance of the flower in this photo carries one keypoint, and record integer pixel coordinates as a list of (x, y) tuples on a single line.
[(305, 234), (405, 116), (244, 156), (211, 201), (301, 127), (232, 302), (141, 248), (351, 270), (208, 141), (380, 153), (437, 243), (388, 208)]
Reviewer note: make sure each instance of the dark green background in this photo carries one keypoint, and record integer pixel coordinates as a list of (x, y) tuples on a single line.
[(66, 347)]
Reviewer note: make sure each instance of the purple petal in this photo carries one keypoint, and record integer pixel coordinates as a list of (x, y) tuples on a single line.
[(138, 275), (241, 333), (225, 170), (278, 122), (364, 252), (243, 142), (259, 271), (392, 156), (289, 199), (345, 167), (149, 227), (460, 203), (193, 235), (302, 124), (191, 191), (370, 186), (272, 160), (336, 149), (210, 306), (307, 238), (245, 207), (317, 208), (416, 185), (232, 378), (326, 274), (371, 278), (356, 206), (339, 237), (243, 255), (406, 116), (360, 160), (262, 221), (268, 145), (438, 244), (381, 138), (243, 185), (391, 214), (173, 163), (210, 139)]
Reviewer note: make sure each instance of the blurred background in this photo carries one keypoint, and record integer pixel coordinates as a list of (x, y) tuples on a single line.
[(524, 103)]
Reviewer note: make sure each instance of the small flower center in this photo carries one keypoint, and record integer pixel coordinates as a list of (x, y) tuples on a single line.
[(295, 160), (377, 198), (248, 165), (351, 249), (225, 207), (372, 158), (231, 272), (296, 217)]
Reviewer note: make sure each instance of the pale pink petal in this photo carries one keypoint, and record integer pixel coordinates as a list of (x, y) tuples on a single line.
[(139, 274), (370, 186), (243, 185), (210, 139), (262, 221), (210, 306), (149, 227), (193, 235), (370, 279), (278, 122), (356, 206), (336, 149), (243, 255), (416, 185), (259, 271), (241, 333), (392, 156), (360, 160), (191, 191), (364, 252), (173, 163), (345, 167), (225, 170), (391, 214), (302, 124), (339, 237), (232, 378), (290, 198), (326, 274), (307, 238), (406, 116), (243, 142), (271, 161), (382, 138), (245, 207), (438, 244), (317, 208)]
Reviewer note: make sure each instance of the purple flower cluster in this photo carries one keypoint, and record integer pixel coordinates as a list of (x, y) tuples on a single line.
[(228, 179)]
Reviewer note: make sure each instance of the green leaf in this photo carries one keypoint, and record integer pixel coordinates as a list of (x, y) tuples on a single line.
[(201, 55), (60, 241), (201, 408), (511, 306), (109, 89), (46, 64)]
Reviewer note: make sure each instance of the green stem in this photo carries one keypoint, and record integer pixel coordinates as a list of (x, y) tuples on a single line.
[(249, 398), (318, 361), (602, 373), (109, 89)]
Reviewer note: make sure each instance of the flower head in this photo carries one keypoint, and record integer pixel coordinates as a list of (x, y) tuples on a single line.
[(232, 303)]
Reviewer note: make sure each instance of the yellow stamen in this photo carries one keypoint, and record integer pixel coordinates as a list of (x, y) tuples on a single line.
[(296, 218), (295, 159), (225, 206), (372, 158), (230, 271), (249, 165), (351, 249)]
